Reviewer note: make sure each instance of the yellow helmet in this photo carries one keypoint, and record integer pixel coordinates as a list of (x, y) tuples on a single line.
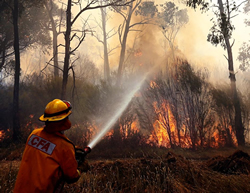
[(56, 110)]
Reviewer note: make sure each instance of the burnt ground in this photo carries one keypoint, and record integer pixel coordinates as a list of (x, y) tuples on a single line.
[(171, 172)]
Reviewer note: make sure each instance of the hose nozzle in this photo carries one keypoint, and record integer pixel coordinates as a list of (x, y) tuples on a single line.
[(87, 149), (80, 153)]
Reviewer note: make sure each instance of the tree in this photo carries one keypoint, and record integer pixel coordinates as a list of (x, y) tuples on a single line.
[(16, 121), (105, 36), (223, 106), (105, 51), (68, 38), (195, 99), (221, 33), (244, 56), (145, 9), (171, 19), (55, 24), (16, 9), (244, 52), (30, 12), (158, 112)]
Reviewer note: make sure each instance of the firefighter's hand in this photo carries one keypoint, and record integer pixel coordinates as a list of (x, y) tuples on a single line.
[(84, 167)]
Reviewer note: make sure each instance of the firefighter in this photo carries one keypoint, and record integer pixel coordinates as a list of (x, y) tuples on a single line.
[(49, 156)]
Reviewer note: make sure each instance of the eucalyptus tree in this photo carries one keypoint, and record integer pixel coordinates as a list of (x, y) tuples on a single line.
[(171, 20), (56, 23), (105, 44), (147, 11), (78, 35), (221, 33), (244, 52), (103, 37)]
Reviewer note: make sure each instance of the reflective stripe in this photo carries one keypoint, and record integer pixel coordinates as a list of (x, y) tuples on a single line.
[(41, 144)]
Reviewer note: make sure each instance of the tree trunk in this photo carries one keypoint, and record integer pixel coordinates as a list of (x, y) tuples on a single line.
[(3, 57), (238, 119), (55, 49), (67, 50), (16, 120), (123, 45), (105, 52)]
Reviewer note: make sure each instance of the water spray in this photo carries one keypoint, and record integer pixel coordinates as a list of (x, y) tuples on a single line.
[(117, 113)]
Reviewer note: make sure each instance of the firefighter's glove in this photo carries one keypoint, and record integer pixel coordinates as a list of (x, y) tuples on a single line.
[(84, 167)]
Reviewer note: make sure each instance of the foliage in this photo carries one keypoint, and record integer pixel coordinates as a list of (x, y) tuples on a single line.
[(172, 16), (170, 20), (189, 79), (30, 12), (204, 5), (179, 105), (244, 56), (147, 8), (244, 51), (222, 27), (223, 106), (247, 10)]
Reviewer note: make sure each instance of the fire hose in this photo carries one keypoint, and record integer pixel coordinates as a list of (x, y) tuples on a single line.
[(81, 153)]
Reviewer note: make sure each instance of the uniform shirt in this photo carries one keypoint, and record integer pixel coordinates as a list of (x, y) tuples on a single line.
[(48, 159)]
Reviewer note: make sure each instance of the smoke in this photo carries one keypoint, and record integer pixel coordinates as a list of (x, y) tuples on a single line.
[(191, 41)]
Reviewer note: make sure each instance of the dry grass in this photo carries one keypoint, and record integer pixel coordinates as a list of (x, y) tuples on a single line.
[(163, 171), (173, 173), (8, 173)]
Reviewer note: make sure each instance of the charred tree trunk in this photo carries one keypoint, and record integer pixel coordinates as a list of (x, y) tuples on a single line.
[(123, 44), (16, 118), (105, 51), (67, 50), (238, 118)]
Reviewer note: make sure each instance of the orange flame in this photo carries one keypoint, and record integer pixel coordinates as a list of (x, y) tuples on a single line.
[(2, 135)]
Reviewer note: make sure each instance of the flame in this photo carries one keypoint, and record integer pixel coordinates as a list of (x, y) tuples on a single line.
[(153, 84), (221, 138), (165, 133), (2, 135)]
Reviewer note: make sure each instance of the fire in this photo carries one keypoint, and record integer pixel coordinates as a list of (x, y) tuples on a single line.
[(165, 132), (159, 136), (224, 137), (153, 84), (2, 135)]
